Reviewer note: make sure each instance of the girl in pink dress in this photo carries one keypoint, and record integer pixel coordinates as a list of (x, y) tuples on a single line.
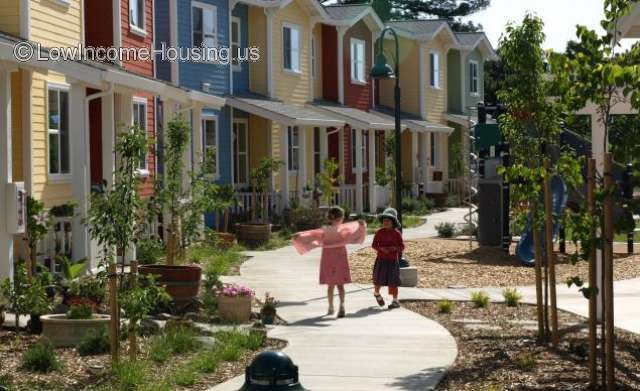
[(334, 263)]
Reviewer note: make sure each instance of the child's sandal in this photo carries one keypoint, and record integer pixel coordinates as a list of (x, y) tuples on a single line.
[(394, 304), (341, 312), (379, 299)]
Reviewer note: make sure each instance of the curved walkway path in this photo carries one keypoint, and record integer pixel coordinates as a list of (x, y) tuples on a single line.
[(371, 349)]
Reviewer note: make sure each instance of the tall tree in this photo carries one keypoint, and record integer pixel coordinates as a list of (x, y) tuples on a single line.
[(452, 10)]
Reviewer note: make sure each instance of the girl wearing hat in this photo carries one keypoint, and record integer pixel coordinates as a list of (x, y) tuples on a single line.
[(334, 263), (389, 245)]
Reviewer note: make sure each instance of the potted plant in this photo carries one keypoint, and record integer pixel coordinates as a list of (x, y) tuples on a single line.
[(64, 330), (258, 231), (268, 310), (37, 303), (88, 290), (186, 206), (234, 303), (328, 181)]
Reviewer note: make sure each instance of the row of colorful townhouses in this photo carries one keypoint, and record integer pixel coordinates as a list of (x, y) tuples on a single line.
[(308, 98)]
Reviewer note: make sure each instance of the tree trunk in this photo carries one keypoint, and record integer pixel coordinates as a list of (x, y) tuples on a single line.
[(551, 265), (538, 269), (593, 342), (608, 272), (114, 325), (133, 341)]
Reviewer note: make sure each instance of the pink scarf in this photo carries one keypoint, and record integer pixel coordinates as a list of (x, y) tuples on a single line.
[(349, 233)]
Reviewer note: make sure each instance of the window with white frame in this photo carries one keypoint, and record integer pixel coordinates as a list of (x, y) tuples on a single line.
[(363, 149), (434, 150), (313, 57), (140, 121), (473, 77), (291, 47), (434, 69), (357, 61), (137, 14), (240, 153), (210, 145), (58, 130), (293, 148), (235, 43), (204, 22)]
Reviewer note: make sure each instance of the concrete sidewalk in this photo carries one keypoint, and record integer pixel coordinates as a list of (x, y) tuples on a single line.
[(371, 349)]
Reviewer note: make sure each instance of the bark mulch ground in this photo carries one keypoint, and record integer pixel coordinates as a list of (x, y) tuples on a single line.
[(74, 373), (497, 350), (444, 263)]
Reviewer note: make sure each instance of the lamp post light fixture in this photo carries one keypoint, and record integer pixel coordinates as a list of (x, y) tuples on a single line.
[(382, 70)]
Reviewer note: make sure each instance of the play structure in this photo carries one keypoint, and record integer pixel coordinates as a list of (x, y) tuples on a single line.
[(490, 193)]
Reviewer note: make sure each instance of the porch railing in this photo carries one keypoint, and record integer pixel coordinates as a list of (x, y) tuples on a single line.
[(247, 201)]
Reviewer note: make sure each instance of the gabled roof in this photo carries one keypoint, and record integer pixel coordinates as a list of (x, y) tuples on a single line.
[(423, 29), (471, 41), (350, 14), (414, 122), (357, 118)]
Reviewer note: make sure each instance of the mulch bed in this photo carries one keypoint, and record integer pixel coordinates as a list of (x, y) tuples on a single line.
[(502, 353), (74, 374), (444, 263)]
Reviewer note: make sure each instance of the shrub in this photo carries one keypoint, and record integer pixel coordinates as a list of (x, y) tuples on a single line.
[(93, 343), (468, 229), (446, 230), (130, 374), (229, 352), (453, 200), (445, 306), (480, 299), (185, 376), (40, 357), (149, 250), (80, 311), (303, 219), (511, 297), (206, 362), (526, 361), (173, 341)]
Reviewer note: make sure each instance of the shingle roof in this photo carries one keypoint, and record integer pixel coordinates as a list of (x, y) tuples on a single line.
[(355, 117), (419, 27), (413, 122), (345, 12), (469, 39)]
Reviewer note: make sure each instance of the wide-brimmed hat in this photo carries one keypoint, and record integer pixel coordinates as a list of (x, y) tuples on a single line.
[(392, 214)]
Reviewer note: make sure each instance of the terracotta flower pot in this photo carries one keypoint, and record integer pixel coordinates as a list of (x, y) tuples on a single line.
[(182, 282), (236, 309)]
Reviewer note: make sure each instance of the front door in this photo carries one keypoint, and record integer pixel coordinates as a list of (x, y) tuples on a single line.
[(240, 153)]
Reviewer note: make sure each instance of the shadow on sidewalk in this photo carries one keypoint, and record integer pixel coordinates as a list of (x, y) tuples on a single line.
[(423, 380)]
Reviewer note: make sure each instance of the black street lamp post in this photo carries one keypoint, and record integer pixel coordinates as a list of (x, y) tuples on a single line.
[(382, 70)]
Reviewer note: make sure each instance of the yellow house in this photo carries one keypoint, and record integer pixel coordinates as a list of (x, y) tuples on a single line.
[(424, 45)]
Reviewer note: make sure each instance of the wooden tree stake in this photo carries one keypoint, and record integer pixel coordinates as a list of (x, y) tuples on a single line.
[(608, 272), (551, 264), (113, 309), (538, 268), (593, 342)]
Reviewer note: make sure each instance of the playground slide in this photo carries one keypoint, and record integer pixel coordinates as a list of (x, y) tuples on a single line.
[(525, 249)]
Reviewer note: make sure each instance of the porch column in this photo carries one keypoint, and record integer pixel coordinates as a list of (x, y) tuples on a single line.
[(80, 179), (108, 138), (341, 31), (198, 151), (302, 161), (324, 150), (414, 162), (359, 169), (373, 202), (6, 175), (341, 158), (284, 169)]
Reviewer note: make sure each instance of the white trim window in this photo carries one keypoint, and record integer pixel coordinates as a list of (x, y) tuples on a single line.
[(58, 131), (236, 39), (434, 69), (140, 120), (293, 146), (204, 25), (363, 148), (357, 61), (291, 39), (434, 150), (313, 58), (240, 152), (137, 16), (210, 145), (473, 78)]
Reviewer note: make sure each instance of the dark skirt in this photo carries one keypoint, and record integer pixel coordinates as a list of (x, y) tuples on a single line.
[(386, 273)]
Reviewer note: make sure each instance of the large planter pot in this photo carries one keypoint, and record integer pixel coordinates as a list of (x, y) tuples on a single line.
[(234, 309), (225, 239), (182, 282), (64, 332), (253, 235)]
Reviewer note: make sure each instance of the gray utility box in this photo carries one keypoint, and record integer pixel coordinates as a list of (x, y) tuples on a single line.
[(490, 213)]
